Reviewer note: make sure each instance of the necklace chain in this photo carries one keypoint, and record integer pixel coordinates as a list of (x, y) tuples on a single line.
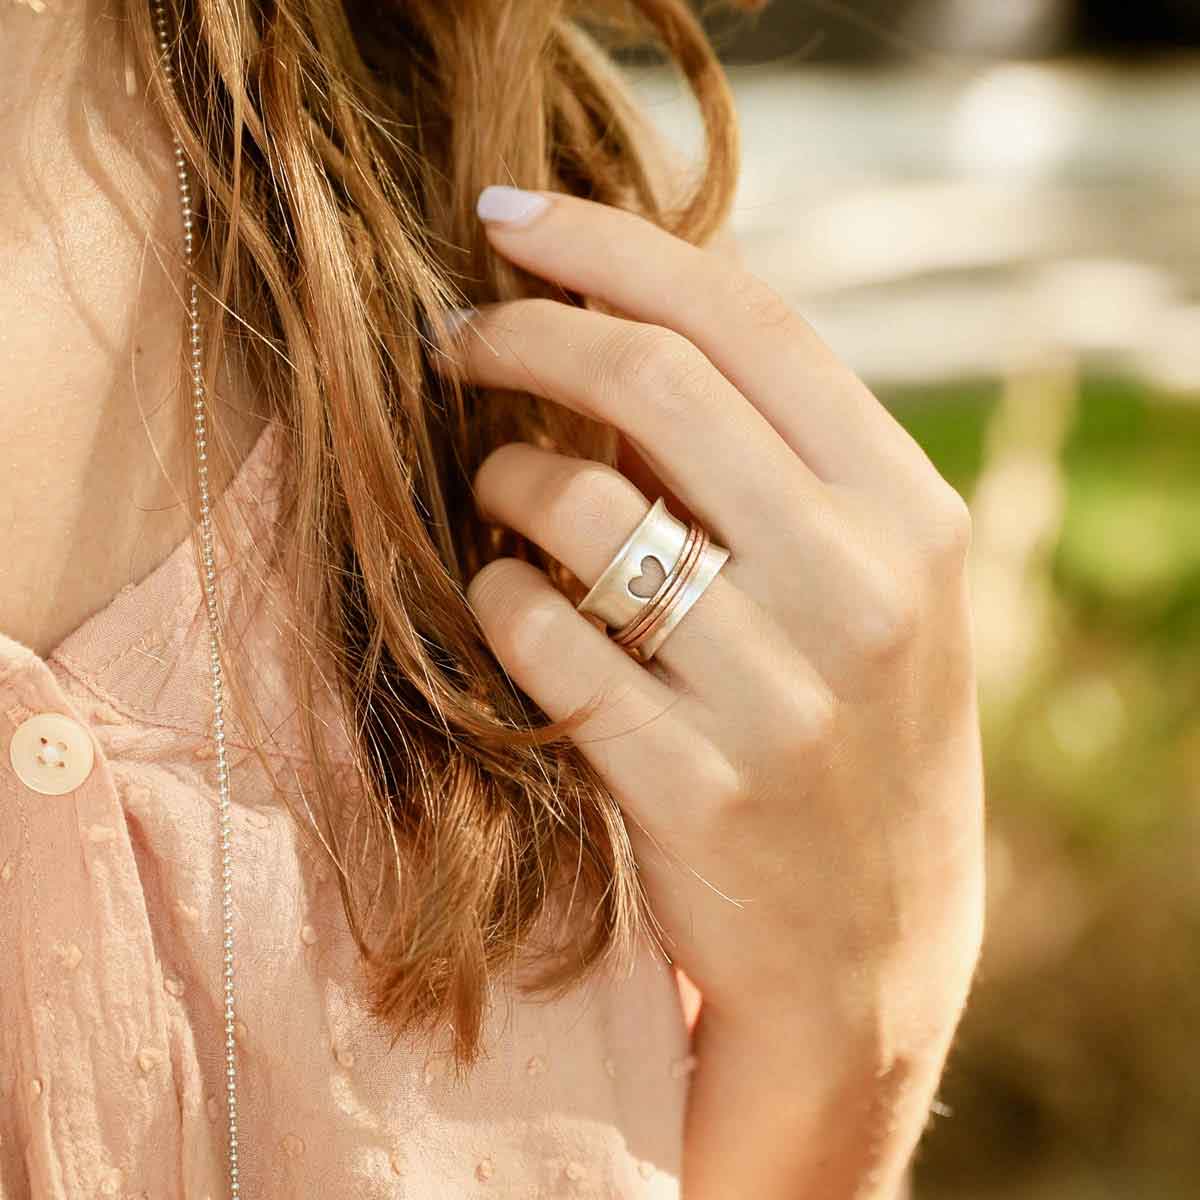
[(200, 429)]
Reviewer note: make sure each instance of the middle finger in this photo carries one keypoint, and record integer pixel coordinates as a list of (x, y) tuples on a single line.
[(702, 438)]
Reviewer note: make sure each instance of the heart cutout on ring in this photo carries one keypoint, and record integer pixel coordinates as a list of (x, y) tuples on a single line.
[(650, 580)]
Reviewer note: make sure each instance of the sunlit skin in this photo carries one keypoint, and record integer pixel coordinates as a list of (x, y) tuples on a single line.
[(91, 328), (800, 773), (801, 770)]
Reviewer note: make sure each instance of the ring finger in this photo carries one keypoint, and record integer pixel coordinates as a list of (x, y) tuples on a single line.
[(580, 513)]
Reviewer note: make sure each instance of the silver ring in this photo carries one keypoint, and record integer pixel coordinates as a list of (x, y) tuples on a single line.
[(660, 571)]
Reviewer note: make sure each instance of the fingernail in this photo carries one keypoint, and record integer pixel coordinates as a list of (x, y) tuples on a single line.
[(442, 329), (456, 318), (509, 206)]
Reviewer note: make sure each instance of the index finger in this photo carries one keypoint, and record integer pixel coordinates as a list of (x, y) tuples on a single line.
[(753, 337)]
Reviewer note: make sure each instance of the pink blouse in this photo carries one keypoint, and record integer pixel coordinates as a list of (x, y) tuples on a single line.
[(111, 1009)]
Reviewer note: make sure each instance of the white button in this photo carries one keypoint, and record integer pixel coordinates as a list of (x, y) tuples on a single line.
[(51, 753)]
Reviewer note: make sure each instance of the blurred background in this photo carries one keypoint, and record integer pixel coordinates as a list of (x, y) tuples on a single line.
[(991, 209)]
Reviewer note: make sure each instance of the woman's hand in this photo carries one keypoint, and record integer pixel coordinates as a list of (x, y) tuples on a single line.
[(801, 770)]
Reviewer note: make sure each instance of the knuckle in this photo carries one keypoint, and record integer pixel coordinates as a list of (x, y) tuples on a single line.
[(496, 586), (946, 536), (497, 467), (540, 310), (718, 786), (533, 636), (810, 715), (520, 621), (764, 306), (593, 504), (885, 625), (797, 709), (798, 723), (658, 366)]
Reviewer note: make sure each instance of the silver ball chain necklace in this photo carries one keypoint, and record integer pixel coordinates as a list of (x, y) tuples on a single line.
[(200, 430)]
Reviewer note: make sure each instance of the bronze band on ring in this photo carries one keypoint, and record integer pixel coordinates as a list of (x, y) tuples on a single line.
[(666, 589), (658, 608), (688, 560)]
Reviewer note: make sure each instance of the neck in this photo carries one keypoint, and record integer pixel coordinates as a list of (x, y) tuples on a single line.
[(95, 443), (85, 153)]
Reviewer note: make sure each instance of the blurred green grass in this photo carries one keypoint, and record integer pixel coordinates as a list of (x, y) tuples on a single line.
[(1075, 1072)]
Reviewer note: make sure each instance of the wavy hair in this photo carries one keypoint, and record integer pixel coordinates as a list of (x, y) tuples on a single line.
[(338, 147)]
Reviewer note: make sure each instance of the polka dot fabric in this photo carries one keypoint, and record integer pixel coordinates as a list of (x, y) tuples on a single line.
[(111, 1031)]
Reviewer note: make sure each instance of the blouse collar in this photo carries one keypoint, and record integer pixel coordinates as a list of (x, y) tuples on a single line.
[(147, 651)]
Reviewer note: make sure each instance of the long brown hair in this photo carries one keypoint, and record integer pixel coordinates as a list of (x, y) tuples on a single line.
[(338, 147)]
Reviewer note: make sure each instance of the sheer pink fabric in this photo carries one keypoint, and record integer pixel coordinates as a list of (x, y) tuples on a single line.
[(111, 1025)]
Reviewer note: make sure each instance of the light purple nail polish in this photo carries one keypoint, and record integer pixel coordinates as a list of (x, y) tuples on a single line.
[(456, 318), (509, 205)]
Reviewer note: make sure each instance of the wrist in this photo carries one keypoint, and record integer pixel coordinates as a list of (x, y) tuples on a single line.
[(838, 1115), (857, 1029), (886, 1004), (836, 1055)]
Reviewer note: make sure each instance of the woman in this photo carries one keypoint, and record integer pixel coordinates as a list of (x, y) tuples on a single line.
[(301, 894)]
